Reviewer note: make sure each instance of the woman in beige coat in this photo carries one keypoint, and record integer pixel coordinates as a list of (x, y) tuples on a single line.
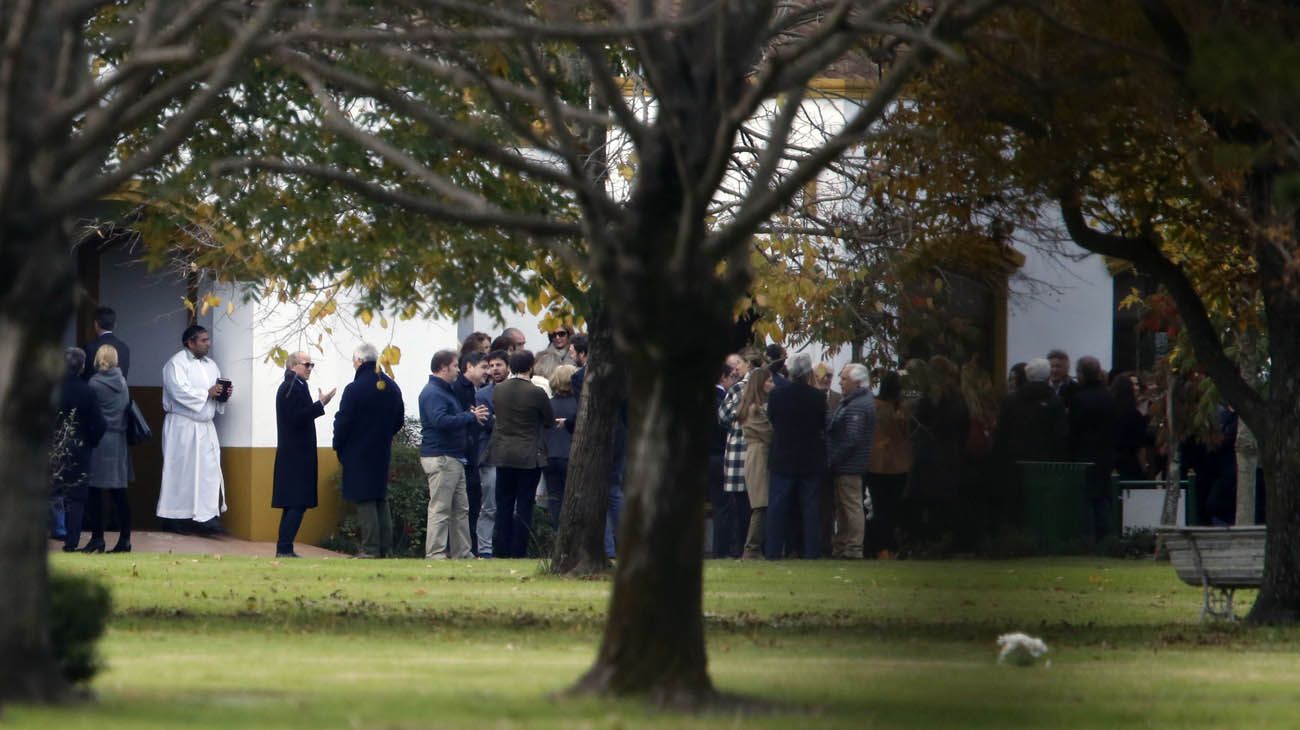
[(757, 431)]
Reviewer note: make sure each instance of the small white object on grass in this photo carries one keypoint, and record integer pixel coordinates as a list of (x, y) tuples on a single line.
[(1020, 649)]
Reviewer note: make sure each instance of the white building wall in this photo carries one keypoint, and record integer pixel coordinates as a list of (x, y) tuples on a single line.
[(150, 312), (1060, 301)]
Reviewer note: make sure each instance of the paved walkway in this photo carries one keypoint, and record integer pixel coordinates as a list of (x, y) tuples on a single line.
[(170, 542)]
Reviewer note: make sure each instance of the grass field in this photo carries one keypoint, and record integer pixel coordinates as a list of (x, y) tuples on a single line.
[(205, 642)]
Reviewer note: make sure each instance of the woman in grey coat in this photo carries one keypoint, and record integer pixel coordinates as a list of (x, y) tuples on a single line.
[(109, 462)]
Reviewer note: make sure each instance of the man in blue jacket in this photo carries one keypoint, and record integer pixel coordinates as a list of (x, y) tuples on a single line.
[(848, 454), (370, 414), (444, 426)]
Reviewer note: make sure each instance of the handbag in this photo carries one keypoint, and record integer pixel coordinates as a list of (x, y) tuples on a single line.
[(137, 429)]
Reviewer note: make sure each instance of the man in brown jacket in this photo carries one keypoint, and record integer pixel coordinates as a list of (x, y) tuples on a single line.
[(518, 452)]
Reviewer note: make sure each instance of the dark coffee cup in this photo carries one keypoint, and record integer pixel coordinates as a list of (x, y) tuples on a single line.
[(225, 390)]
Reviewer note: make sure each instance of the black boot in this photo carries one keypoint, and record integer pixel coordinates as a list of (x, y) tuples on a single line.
[(96, 545), (122, 546)]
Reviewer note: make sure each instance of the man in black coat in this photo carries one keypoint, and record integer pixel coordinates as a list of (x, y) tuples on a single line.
[(848, 446), (294, 486), (105, 321), (1093, 423), (796, 459), (370, 414), (79, 428)]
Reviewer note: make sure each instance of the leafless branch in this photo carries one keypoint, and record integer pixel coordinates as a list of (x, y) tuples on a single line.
[(77, 193)]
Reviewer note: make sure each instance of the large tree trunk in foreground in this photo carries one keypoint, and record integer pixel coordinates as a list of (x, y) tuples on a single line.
[(35, 304), (580, 544), (1279, 596), (654, 635)]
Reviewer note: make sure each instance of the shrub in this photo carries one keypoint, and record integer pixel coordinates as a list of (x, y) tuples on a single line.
[(408, 500), (79, 610)]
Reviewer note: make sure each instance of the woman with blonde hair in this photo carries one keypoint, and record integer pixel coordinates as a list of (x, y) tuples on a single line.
[(558, 440), (757, 432), (109, 466)]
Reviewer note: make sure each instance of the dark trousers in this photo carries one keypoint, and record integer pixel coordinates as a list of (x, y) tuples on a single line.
[(74, 507), (784, 491), (290, 521), (887, 505), (716, 497), (474, 493), (516, 493), (376, 528), (730, 525), (94, 520), (557, 469)]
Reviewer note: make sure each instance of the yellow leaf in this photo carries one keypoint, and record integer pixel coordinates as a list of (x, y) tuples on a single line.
[(626, 172), (392, 355), (188, 304), (383, 321), (366, 315), (230, 307)]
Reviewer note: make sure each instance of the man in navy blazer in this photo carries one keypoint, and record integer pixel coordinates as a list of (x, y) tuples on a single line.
[(370, 414), (294, 485), (105, 321)]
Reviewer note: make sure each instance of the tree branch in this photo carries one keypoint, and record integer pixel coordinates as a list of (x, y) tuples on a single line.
[(176, 128), (1145, 254)]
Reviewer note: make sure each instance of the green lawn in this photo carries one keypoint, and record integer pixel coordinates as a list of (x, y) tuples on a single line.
[(203, 642)]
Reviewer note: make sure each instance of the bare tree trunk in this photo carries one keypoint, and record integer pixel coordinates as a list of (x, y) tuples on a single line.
[(1247, 463), (1169, 510), (34, 309), (654, 636), (580, 544), (1279, 451)]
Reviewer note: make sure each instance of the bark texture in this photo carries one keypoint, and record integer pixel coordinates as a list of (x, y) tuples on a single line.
[(580, 544), (37, 303)]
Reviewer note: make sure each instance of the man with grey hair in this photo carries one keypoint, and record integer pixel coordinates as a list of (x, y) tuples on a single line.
[(370, 414), (1031, 427), (848, 455)]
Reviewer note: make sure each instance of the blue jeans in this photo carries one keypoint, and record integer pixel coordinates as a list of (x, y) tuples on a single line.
[(730, 522), (611, 518), (784, 491), (487, 515)]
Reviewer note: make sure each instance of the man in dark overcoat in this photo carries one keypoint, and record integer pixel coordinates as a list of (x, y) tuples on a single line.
[(79, 428), (105, 321), (1094, 420), (296, 472), (370, 414)]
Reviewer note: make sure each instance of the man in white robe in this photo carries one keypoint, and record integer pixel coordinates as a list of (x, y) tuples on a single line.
[(192, 486)]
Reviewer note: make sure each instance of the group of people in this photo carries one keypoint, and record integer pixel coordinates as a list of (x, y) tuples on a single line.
[(927, 460), (90, 456), (494, 418), (796, 468), (785, 439)]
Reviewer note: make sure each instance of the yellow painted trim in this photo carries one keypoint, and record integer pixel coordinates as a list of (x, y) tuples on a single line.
[(249, 472)]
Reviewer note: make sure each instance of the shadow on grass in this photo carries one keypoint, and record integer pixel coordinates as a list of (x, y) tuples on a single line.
[(349, 617)]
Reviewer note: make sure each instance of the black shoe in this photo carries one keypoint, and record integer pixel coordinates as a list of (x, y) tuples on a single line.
[(179, 527), (290, 554), (69, 548), (209, 528), (94, 546), (122, 546)]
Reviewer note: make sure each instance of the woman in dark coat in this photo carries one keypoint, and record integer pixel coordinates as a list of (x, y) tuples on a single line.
[(296, 472), (564, 404), (109, 462), (78, 430)]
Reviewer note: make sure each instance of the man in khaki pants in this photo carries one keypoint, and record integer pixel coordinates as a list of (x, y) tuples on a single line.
[(848, 455), (443, 435)]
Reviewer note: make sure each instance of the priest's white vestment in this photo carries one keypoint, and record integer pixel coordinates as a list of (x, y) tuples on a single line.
[(192, 487)]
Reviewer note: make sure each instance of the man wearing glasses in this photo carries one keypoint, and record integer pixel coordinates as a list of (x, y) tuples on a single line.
[(558, 353), (294, 489)]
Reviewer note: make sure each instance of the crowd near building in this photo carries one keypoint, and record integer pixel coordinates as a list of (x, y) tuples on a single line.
[(926, 458)]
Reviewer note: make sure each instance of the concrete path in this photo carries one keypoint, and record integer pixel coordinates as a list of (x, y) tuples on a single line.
[(170, 542)]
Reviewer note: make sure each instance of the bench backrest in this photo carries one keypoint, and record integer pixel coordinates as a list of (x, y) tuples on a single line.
[(1225, 557)]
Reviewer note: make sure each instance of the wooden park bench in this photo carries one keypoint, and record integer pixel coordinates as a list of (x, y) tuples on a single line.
[(1219, 560)]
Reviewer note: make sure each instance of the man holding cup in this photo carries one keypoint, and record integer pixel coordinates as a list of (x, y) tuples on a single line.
[(192, 496)]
